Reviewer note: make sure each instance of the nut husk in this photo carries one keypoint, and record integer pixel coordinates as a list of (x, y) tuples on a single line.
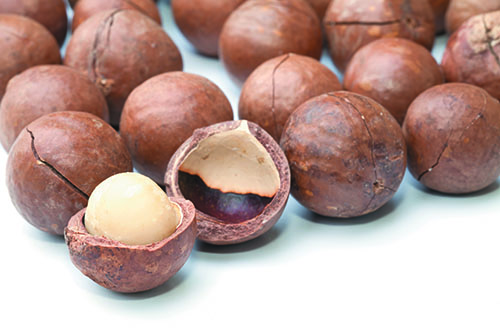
[(460, 11), (453, 137), (44, 89), (49, 13), (278, 86), (163, 112), (472, 54), (118, 50), (346, 152), (57, 161), (86, 8), (131, 268), (351, 24), (392, 71), (214, 230), (25, 43), (259, 30), (191, 18)]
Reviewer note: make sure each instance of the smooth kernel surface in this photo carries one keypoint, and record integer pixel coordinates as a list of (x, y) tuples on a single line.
[(132, 209)]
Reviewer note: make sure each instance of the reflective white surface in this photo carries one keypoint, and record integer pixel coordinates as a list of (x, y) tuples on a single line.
[(425, 262)]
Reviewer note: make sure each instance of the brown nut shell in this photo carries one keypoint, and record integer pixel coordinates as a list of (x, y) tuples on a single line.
[(57, 161), (460, 11), (259, 30), (24, 44), (319, 7), (351, 24), (191, 18), (131, 268), (49, 13), (280, 85), (439, 7), (45, 89), (347, 154), (211, 229), (118, 50), (163, 112), (392, 71), (453, 136), (86, 8), (472, 54)]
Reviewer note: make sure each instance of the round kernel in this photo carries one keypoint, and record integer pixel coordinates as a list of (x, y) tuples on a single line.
[(132, 209)]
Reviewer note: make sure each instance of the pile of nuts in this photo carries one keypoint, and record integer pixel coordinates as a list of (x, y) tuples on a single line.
[(74, 132)]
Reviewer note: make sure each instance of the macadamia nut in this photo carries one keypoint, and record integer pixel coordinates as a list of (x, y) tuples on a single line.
[(132, 209)]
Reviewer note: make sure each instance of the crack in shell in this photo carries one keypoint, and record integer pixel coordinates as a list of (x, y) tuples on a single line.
[(490, 40), (333, 23), (447, 143), (104, 28), (40, 160), (376, 182), (273, 107)]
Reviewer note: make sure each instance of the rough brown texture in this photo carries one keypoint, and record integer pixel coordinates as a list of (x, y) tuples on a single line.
[(263, 29), (131, 268), (472, 54), (119, 50), (347, 154), (439, 7), (460, 11), (45, 89), (351, 24), (212, 230), (24, 44), (392, 71), (278, 86), (319, 7), (86, 8), (163, 112), (72, 3), (201, 21), (453, 137), (49, 13), (57, 161)]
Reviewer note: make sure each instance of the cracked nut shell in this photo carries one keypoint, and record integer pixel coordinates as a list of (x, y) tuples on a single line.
[(57, 161), (237, 177), (49, 13), (259, 30), (131, 268), (280, 85), (453, 136), (191, 18), (163, 112), (460, 11), (136, 50), (86, 8), (24, 44), (351, 24), (46, 89), (393, 72), (472, 54), (347, 154)]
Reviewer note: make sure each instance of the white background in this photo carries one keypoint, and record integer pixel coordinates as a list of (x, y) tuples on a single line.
[(425, 262)]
